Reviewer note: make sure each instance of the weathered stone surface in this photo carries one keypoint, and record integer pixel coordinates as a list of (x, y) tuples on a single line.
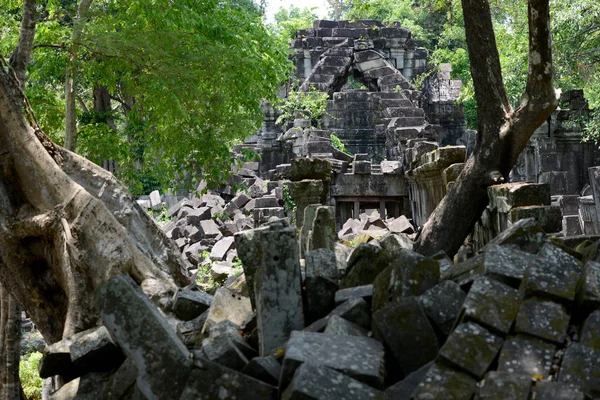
[(492, 304), (309, 168), (56, 360), (355, 310), (86, 387), (395, 244), (320, 297), (546, 390), (145, 336), (228, 305), (581, 367), (588, 291), (358, 357), (278, 289), (502, 263), (188, 304), (410, 275), (442, 304), (502, 385), (365, 292), (404, 388), (471, 348), (364, 264), (323, 234), (553, 274), (266, 369), (444, 383), (400, 225), (220, 249), (525, 233), (195, 216), (526, 355), (590, 333), (322, 383), (342, 327), (94, 350), (321, 263), (544, 319), (209, 229), (241, 200), (212, 381), (405, 329), (222, 350)]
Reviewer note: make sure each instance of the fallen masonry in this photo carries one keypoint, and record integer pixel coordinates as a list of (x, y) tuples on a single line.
[(422, 335)]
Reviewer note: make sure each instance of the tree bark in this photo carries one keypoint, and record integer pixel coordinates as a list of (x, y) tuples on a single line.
[(67, 225), (70, 78), (503, 132), (10, 343)]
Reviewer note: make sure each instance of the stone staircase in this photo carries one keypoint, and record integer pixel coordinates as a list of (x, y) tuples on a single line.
[(331, 71)]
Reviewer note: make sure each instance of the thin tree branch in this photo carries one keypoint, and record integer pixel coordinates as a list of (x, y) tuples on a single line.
[(19, 59), (492, 101)]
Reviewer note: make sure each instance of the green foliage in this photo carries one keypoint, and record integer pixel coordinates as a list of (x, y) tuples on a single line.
[(288, 21), (312, 104), (30, 377), (161, 217), (186, 80), (222, 215), (591, 130), (288, 203), (238, 266), (338, 144)]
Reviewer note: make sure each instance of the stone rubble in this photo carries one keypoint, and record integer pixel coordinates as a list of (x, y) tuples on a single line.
[(477, 330)]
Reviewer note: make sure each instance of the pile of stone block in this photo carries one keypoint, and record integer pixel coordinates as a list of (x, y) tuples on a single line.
[(372, 225), (519, 320)]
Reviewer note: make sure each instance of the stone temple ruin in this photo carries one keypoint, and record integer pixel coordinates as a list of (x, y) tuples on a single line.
[(343, 308)]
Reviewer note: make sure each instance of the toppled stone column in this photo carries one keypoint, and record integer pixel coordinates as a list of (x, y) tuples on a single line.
[(146, 337), (278, 291)]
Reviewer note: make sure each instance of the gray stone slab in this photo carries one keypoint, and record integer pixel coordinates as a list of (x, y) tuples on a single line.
[(588, 291), (212, 381), (410, 275), (405, 329), (279, 308), (220, 249), (444, 383), (590, 332), (492, 304), (365, 292), (504, 386), (94, 350), (543, 319), (145, 336), (471, 348), (222, 350), (358, 357), (266, 369), (525, 233), (546, 390), (194, 216), (502, 263), (442, 304), (580, 368), (404, 388), (553, 274), (526, 355), (339, 326), (188, 304), (318, 382), (228, 305), (364, 264)]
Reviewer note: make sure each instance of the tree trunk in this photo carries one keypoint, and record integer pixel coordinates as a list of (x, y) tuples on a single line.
[(66, 226), (502, 132), (10, 342), (70, 78)]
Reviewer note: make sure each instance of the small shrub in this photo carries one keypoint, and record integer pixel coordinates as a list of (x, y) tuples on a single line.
[(30, 378)]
